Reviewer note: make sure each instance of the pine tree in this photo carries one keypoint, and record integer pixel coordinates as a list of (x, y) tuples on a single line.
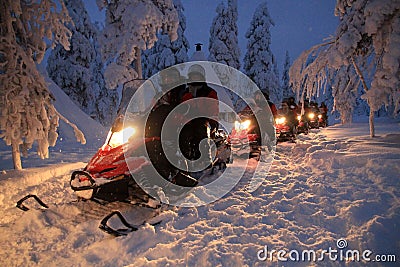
[(131, 27), (287, 90), (105, 101), (259, 62), (78, 71), (223, 43), (27, 110), (165, 52), (276, 92)]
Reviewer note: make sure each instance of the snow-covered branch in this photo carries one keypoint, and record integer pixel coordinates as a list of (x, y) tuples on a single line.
[(368, 32), (132, 26)]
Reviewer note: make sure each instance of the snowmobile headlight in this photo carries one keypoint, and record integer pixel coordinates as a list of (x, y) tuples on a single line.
[(242, 125), (237, 125), (319, 116), (280, 120), (245, 125), (311, 115), (121, 137)]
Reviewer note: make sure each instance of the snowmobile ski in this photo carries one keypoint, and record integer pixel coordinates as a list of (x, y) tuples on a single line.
[(21, 206), (87, 176), (110, 190), (120, 232), (99, 213)]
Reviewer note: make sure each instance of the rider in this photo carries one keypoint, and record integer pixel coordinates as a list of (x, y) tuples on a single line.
[(205, 126), (323, 109), (294, 109), (262, 100), (292, 104), (171, 85), (272, 106)]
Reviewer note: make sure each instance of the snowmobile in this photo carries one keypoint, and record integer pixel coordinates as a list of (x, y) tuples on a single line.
[(284, 131), (245, 136), (110, 179), (302, 125), (322, 121), (313, 119), (121, 163), (109, 174)]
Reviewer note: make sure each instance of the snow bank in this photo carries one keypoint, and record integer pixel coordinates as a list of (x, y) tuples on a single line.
[(93, 130), (35, 176)]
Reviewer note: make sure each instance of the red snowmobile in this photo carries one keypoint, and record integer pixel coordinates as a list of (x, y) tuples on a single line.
[(245, 136), (286, 124), (302, 126), (114, 171), (126, 159), (107, 175), (284, 130)]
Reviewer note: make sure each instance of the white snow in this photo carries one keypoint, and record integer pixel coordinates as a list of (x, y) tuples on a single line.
[(335, 183)]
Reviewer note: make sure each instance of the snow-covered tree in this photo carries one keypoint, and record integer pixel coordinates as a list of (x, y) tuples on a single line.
[(259, 62), (105, 101), (368, 40), (78, 71), (132, 26), (345, 92), (277, 90), (287, 90), (165, 52), (223, 43), (27, 29)]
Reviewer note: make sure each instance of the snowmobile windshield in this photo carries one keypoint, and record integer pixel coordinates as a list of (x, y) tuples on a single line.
[(130, 124), (125, 127), (144, 98)]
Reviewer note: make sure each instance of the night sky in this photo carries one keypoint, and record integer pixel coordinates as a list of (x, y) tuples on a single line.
[(299, 24)]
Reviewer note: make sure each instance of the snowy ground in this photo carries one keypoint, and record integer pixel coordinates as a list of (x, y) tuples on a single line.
[(334, 184)]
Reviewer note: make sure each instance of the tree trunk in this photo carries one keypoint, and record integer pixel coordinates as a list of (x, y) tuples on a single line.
[(16, 155), (371, 123), (371, 112)]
